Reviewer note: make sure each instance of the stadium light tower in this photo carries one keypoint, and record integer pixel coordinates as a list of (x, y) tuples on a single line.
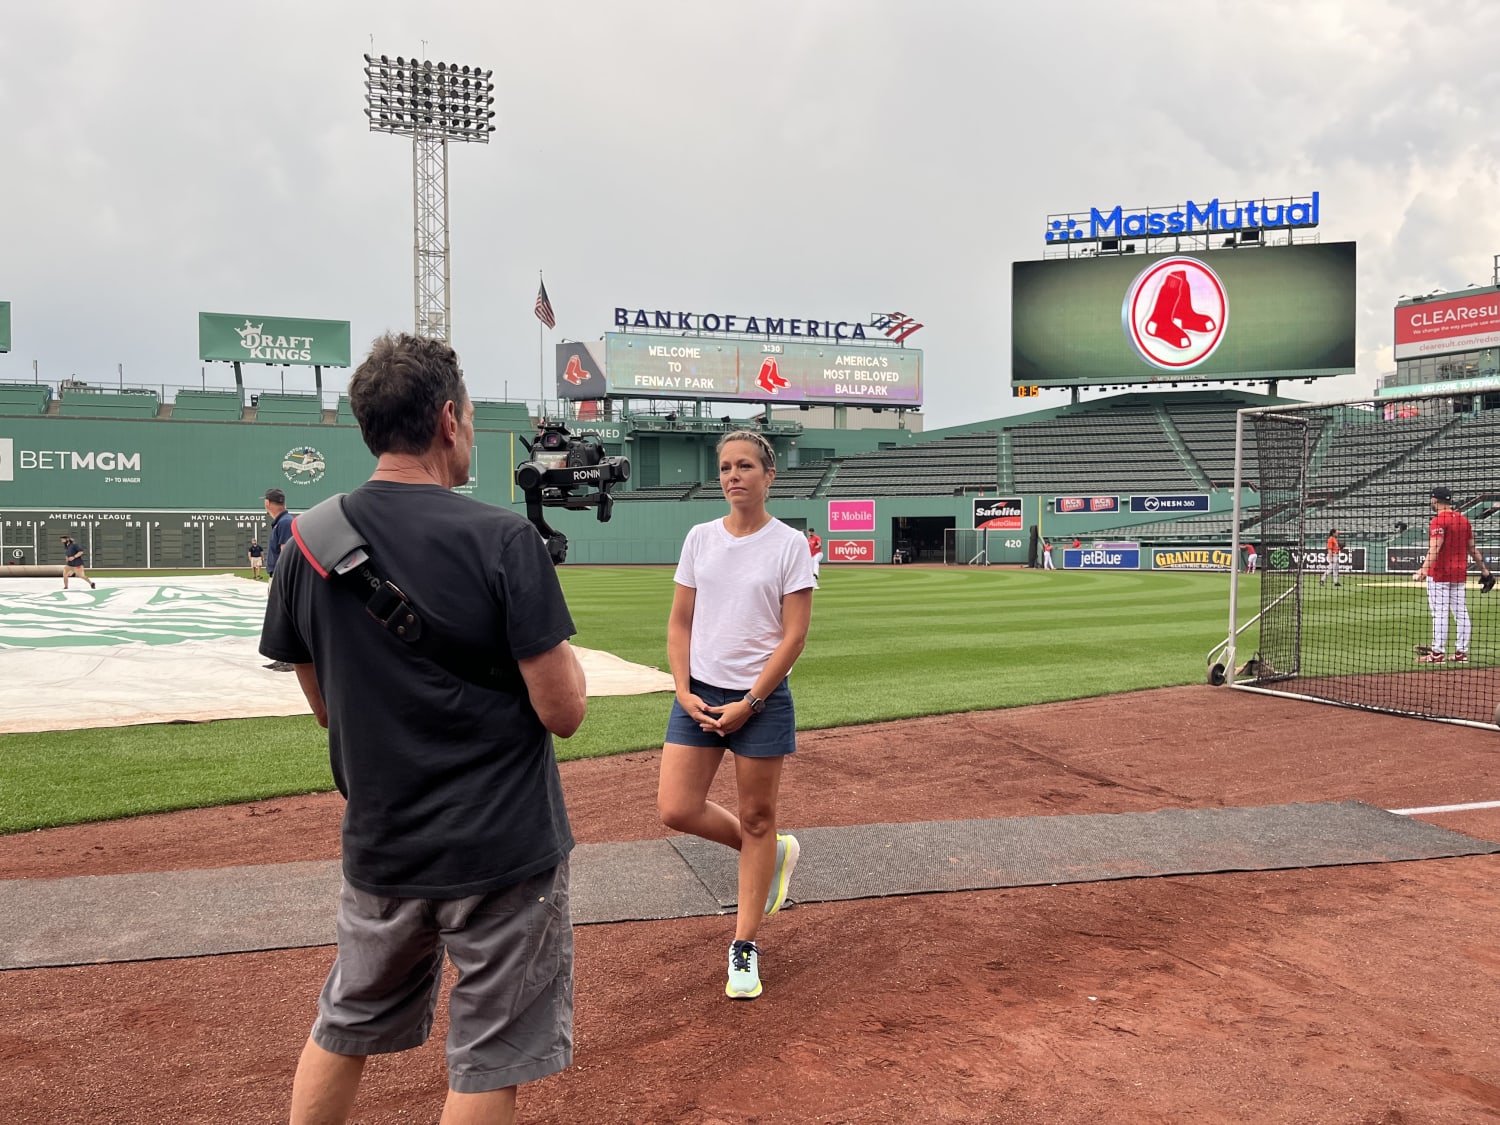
[(432, 103)]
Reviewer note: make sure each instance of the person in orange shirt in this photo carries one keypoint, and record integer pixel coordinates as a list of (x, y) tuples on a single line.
[(1331, 570), (1450, 545)]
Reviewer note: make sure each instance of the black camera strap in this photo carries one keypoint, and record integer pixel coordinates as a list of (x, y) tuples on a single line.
[(335, 549)]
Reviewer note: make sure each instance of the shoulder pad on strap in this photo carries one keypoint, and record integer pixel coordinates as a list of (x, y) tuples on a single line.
[(327, 539)]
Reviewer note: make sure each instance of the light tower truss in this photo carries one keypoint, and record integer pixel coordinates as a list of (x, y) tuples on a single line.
[(432, 103)]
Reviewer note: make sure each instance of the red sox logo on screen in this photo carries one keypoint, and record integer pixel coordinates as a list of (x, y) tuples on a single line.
[(769, 379), (1175, 313), (575, 373)]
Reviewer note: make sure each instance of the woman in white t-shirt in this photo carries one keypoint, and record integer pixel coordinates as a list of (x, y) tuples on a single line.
[(739, 619)]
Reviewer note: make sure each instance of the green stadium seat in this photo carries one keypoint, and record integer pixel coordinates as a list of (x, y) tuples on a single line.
[(207, 406), (24, 398), (288, 408), (108, 404), (512, 416)]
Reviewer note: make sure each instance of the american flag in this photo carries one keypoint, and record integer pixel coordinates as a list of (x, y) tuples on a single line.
[(544, 308)]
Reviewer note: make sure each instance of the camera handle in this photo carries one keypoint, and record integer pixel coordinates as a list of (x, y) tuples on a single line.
[(557, 542)]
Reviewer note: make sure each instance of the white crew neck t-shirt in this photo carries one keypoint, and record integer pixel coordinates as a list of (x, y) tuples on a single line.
[(739, 585)]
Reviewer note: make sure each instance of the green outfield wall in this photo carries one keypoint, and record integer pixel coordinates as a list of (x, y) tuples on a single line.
[(168, 493)]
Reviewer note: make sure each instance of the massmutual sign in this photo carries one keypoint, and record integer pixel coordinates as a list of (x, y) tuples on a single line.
[(237, 338), (1189, 218)]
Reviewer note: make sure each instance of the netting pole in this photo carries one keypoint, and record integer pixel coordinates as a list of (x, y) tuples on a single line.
[(1234, 548)]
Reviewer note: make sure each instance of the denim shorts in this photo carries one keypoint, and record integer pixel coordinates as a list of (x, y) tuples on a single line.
[(510, 1013), (771, 734)]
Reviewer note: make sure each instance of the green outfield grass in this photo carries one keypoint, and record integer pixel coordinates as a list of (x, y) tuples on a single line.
[(1368, 625), (886, 643)]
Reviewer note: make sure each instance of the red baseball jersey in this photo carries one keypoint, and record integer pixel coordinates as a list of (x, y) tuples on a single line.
[(1456, 536)]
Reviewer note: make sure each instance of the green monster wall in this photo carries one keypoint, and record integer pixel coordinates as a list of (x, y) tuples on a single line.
[(172, 493)]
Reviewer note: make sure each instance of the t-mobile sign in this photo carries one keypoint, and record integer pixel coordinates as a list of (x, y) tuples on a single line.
[(851, 550), (851, 515)]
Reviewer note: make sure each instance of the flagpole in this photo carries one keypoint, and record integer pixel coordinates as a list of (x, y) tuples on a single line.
[(541, 380)]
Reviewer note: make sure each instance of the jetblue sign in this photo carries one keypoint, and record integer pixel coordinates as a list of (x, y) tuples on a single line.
[(1190, 218), (1102, 558), (672, 320)]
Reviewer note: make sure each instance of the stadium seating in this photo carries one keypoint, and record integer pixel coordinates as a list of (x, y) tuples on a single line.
[(1122, 449), (946, 467), (1390, 485), (293, 408), (24, 398), (78, 403), (207, 406), (800, 483), (344, 415), (657, 492), (512, 416), (1207, 431)]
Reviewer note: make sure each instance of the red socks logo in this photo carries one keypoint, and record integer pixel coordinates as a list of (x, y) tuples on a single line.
[(769, 379), (1175, 313), (574, 373)]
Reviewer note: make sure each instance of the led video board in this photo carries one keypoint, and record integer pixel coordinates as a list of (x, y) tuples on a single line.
[(1272, 312), (642, 366)]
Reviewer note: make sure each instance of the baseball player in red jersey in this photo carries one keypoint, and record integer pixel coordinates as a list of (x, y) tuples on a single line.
[(1450, 545)]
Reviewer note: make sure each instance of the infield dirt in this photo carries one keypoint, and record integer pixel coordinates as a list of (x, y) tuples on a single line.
[(1361, 994)]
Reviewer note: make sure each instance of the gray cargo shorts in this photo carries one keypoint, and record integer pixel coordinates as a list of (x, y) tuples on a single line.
[(510, 1012)]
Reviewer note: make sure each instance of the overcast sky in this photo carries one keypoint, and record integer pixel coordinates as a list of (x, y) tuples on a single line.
[(830, 158)]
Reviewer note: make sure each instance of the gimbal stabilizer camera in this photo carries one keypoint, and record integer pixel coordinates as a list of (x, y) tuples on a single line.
[(567, 470)]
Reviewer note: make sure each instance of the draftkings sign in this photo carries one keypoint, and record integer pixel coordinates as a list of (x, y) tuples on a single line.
[(235, 338)]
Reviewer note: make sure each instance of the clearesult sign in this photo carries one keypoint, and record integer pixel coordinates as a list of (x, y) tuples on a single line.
[(1456, 324), (236, 338)]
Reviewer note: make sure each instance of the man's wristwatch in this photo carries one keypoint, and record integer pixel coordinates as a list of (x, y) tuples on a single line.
[(756, 705)]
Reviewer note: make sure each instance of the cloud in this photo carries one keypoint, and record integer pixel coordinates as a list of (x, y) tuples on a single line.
[(828, 160)]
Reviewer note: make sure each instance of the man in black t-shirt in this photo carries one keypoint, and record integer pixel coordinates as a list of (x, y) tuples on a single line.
[(455, 837), (256, 554), (73, 562)]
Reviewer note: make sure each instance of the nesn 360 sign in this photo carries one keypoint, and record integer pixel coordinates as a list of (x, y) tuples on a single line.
[(1190, 218)]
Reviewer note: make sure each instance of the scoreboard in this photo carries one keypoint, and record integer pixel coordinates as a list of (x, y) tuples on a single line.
[(132, 540), (764, 371)]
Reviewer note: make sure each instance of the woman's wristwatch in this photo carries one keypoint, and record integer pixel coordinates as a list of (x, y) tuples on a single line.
[(756, 705)]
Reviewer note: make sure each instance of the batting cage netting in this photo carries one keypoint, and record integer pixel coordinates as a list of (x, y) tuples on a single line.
[(1344, 523)]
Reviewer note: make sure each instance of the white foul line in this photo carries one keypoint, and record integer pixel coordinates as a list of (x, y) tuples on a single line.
[(1446, 808)]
